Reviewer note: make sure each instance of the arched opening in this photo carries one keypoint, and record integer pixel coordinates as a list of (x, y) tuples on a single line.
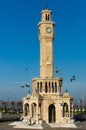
[(40, 86), (26, 109), (51, 112), (48, 17), (65, 109), (55, 87), (49, 88), (40, 110), (46, 87), (33, 110), (38, 89)]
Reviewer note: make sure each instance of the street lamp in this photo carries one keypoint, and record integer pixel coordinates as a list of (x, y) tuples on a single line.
[(81, 105)]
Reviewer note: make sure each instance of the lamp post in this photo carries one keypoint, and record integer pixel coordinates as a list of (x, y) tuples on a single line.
[(81, 106)]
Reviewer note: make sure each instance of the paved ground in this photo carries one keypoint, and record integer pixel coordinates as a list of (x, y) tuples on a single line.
[(6, 126)]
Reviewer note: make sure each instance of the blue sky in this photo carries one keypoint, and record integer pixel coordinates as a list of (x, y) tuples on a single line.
[(19, 44)]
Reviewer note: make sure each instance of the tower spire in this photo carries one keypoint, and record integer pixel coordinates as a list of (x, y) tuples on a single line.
[(46, 7)]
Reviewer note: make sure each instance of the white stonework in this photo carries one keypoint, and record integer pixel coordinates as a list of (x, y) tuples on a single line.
[(47, 104)]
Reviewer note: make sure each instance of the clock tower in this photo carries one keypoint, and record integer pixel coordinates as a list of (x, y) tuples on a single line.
[(46, 83), (46, 37), (47, 103)]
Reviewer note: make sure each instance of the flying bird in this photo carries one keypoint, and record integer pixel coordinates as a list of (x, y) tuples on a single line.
[(22, 85), (26, 69), (27, 85), (73, 78), (58, 71)]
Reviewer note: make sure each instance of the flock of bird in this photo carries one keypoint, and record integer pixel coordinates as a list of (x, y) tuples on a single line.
[(57, 71)]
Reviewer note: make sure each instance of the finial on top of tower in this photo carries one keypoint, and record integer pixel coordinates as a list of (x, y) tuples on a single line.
[(66, 91), (46, 7)]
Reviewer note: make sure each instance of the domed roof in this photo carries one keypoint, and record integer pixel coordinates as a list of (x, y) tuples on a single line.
[(28, 96), (36, 94), (66, 95)]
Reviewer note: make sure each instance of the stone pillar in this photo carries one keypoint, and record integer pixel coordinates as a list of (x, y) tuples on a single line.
[(43, 87), (23, 110), (30, 111), (72, 110), (69, 108), (62, 111), (37, 115)]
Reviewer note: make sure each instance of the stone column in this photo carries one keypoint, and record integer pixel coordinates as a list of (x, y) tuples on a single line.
[(69, 109), (23, 109), (37, 115), (30, 112), (72, 109)]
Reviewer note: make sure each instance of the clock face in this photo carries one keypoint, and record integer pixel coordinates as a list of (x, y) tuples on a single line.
[(48, 30)]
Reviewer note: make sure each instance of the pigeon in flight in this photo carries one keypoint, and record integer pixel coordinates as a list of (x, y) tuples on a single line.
[(73, 78), (27, 85), (58, 71), (26, 69), (22, 85)]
